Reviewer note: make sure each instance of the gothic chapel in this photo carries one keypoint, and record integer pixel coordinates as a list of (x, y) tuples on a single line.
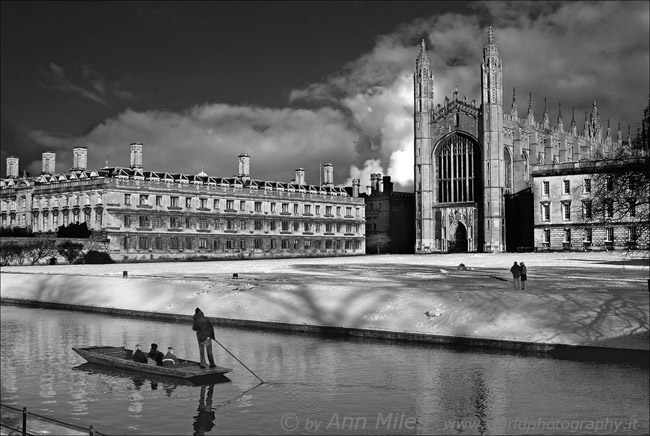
[(471, 160)]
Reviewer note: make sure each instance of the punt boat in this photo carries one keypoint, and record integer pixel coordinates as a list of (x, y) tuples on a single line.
[(120, 357)]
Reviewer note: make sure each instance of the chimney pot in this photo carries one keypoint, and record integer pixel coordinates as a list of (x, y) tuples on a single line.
[(244, 166), (136, 155), (12, 166), (79, 158), (49, 163)]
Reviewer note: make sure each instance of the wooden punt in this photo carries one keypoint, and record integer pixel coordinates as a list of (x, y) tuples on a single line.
[(120, 357)]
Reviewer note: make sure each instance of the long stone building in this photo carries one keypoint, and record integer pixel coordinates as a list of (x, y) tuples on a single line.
[(150, 215), (487, 179)]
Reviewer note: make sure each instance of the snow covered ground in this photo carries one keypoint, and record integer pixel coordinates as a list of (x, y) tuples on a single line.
[(597, 298)]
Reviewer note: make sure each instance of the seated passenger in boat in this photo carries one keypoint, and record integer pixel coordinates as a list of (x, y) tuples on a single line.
[(156, 355), (170, 359), (138, 355)]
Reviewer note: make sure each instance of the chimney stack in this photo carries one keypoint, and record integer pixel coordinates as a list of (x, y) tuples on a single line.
[(328, 174), (387, 185), (79, 158), (375, 182), (136, 155), (300, 176), (49, 163), (12, 167), (355, 187), (244, 166)]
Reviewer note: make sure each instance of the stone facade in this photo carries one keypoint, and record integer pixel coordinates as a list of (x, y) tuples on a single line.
[(470, 158), (564, 219), (390, 218), (149, 215)]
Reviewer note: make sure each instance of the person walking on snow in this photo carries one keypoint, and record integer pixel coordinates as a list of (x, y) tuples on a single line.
[(204, 335), (524, 276), (516, 274)]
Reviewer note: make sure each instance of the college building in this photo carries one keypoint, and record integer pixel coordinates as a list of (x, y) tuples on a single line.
[(149, 215)]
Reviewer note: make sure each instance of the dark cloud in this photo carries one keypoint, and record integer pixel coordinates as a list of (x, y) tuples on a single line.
[(360, 118), (91, 86)]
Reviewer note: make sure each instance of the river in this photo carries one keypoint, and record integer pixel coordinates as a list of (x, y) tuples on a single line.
[(312, 384)]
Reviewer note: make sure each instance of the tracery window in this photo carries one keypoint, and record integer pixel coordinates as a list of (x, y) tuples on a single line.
[(456, 170)]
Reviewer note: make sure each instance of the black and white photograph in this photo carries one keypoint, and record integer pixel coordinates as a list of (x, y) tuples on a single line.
[(324, 217)]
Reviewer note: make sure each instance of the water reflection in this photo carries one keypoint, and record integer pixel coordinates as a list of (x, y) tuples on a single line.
[(306, 376), (481, 400), (204, 419)]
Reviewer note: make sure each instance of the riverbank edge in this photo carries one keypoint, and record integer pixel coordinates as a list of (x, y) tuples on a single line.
[(553, 350)]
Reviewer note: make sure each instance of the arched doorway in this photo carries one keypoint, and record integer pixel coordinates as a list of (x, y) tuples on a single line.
[(459, 243)]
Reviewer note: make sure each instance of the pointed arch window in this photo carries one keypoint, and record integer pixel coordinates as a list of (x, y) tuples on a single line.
[(457, 160)]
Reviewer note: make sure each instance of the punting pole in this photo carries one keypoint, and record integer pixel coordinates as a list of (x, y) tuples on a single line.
[(238, 360)]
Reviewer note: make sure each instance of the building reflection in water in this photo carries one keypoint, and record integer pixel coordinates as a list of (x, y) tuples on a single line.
[(204, 419), (481, 397)]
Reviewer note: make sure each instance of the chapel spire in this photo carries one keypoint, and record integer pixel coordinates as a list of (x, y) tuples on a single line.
[(513, 110), (423, 58), (560, 122), (574, 128), (490, 49), (545, 120)]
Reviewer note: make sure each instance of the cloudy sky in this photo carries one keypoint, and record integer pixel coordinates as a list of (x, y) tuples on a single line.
[(294, 84)]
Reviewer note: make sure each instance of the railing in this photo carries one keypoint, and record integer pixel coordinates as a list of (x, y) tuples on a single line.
[(17, 421)]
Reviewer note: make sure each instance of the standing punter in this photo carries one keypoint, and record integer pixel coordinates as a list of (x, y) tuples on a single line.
[(204, 334)]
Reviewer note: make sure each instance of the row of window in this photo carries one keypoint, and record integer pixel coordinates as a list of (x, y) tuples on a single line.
[(587, 209), (587, 234), (42, 221), (566, 187), (586, 186), (177, 243), (235, 224), (42, 203), (204, 203)]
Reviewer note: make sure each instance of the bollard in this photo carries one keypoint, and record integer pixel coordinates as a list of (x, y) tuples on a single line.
[(91, 431), (24, 421), (235, 275), (125, 274)]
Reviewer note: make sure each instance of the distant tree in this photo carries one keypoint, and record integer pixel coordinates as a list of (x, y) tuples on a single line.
[(39, 248), (11, 254), (377, 242), (74, 230), (97, 257), (620, 185), (620, 191), (16, 232), (70, 250)]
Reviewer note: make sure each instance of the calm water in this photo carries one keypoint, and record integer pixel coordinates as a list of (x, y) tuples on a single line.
[(330, 386)]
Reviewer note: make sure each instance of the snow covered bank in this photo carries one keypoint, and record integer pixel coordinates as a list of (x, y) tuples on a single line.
[(587, 299)]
